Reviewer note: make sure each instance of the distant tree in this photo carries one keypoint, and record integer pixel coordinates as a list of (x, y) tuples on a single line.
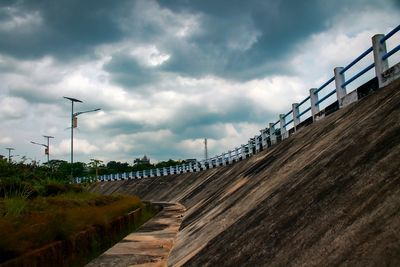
[(94, 164), (168, 163)]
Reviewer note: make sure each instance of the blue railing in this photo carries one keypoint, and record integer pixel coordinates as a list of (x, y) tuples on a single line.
[(246, 150), (391, 52), (324, 85), (362, 72), (390, 34), (369, 50), (304, 112)]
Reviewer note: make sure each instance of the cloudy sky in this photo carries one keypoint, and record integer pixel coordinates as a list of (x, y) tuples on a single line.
[(168, 73)]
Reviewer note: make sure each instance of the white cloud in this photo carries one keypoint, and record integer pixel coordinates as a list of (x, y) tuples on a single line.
[(5, 140), (13, 108), (81, 146), (150, 56)]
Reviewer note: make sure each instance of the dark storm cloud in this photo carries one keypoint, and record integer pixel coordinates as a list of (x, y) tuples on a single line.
[(126, 71), (32, 96), (278, 26), (238, 39), (67, 28)]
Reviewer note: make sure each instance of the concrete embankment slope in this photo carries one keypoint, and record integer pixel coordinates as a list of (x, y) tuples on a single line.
[(328, 195)]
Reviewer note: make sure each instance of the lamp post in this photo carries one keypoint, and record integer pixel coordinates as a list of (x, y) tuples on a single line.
[(9, 153), (47, 147), (73, 125)]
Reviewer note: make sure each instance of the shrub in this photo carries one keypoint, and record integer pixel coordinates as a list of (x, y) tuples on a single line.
[(14, 206), (16, 188)]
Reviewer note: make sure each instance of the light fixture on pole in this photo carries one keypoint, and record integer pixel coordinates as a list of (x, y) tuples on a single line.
[(72, 131), (74, 117), (48, 147), (47, 150), (9, 153)]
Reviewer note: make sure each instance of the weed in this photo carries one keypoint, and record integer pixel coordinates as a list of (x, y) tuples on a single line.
[(14, 206)]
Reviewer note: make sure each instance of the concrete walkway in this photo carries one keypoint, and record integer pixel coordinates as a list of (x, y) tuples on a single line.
[(150, 245)]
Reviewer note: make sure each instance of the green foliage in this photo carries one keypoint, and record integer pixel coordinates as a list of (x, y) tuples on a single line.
[(14, 206)]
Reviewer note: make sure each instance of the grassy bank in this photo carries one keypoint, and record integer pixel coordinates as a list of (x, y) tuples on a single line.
[(29, 223)]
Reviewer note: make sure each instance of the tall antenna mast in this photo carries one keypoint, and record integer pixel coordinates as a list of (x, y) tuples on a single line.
[(205, 149)]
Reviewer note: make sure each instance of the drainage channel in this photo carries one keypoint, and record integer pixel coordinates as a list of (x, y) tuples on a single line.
[(150, 245)]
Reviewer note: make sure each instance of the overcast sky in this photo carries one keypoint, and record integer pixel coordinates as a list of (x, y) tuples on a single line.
[(168, 73)]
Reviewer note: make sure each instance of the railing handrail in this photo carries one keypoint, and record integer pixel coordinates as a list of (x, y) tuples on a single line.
[(390, 34), (358, 75), (324, 85), (364, 54), (304, 101)]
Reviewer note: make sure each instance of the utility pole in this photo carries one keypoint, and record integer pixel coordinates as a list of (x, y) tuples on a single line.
[(9, 153), (48, 147), (205, 149), (74, 125), (72, 132)]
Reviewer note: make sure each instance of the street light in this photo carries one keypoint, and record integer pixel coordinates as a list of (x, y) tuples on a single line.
[(47, 147), (9, 153), (73, 125)]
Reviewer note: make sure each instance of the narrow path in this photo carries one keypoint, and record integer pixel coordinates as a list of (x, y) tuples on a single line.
[(150, 245)]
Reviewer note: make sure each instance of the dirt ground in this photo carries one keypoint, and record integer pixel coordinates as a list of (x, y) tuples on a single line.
[(327, 196)]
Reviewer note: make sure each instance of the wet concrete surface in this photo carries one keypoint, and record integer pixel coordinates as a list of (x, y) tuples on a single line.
[(150, 245)]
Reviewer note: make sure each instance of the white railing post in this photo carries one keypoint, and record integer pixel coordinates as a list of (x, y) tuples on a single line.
[(190, 167), (295, 112), (257, 143), (379, 50), (184, 168), (250, 144), (339, 80), (203, 165), (264, 138), (237, 154), (314, 100), (210, 165), (181, 168), (272, 135), (242, 152), (282, 122)]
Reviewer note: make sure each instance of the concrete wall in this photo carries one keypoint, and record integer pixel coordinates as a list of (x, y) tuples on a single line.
[(326, 196)]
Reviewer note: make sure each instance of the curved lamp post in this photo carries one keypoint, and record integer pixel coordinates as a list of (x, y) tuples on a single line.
[(47, 150), (74, 125)]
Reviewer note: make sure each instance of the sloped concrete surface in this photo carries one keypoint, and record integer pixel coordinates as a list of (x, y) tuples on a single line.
[(150, 245), (327, 196)]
